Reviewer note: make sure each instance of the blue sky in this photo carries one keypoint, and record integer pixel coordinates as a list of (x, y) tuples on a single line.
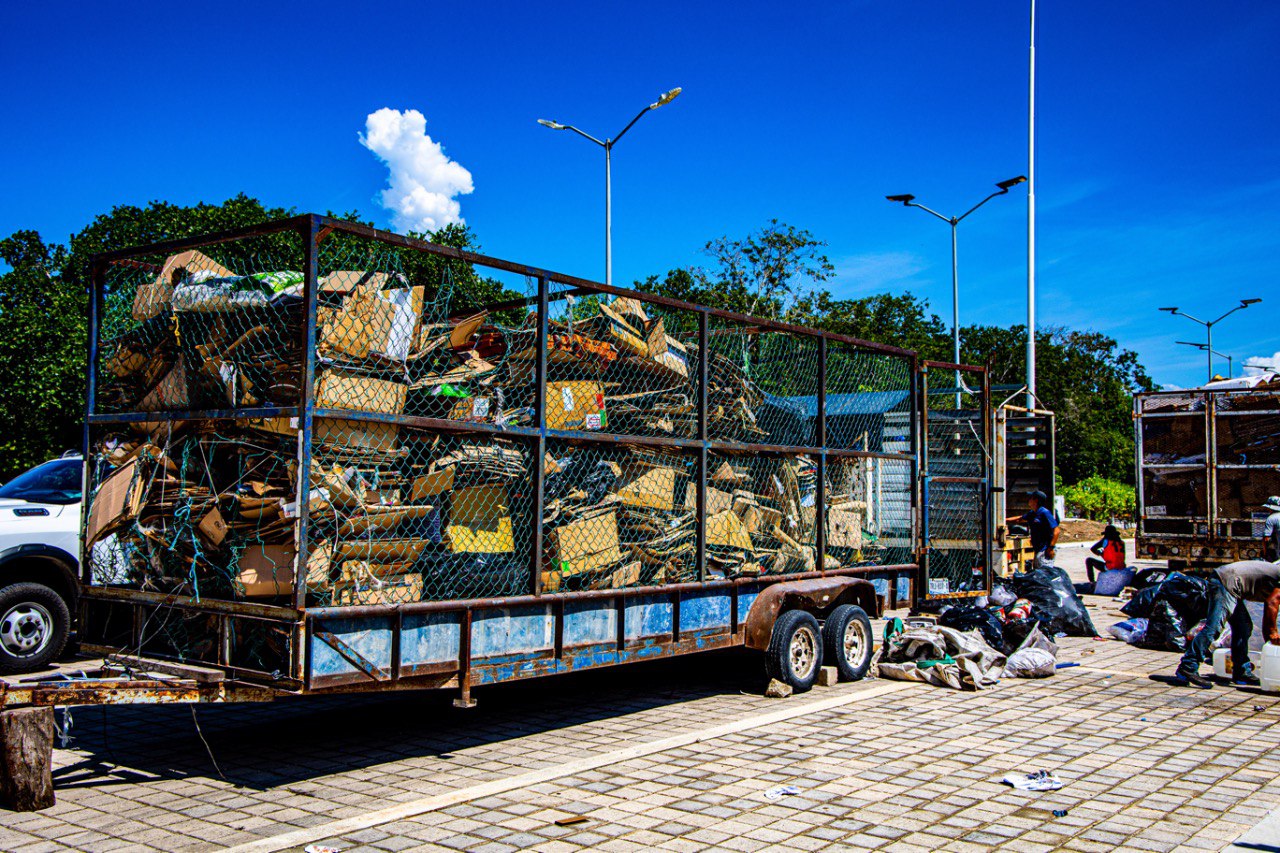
[(1158, 166)]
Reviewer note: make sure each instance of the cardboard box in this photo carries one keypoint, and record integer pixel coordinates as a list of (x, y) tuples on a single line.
[(432, 484), (844, 526), (577, 405), (151, 299), (212, 528), (170, 394), (343, 389), (403, 550), (480, 521), (479, 409), (585, 544), (628, 575), (666, 350), (396, 589), (369, 435), (266, 570), (373, 322), (643, 486), (726, 530), (619, 332), (116, 503)]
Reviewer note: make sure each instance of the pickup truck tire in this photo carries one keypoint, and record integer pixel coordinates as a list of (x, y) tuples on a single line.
[(794, 655), (34, 627), (847, 641)]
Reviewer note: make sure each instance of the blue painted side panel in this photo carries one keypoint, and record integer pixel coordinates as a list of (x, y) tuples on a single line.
[(512, 631), (746, 597), (590, 622), (369, 638), (704, 611), (430, 638), (648, 616)]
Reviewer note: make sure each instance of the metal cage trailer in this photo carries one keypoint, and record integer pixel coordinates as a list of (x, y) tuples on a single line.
[(1024, 461), (325, 458), (1207, 460)]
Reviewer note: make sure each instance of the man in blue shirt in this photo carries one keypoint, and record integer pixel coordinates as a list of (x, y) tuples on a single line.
[(1043, 525)]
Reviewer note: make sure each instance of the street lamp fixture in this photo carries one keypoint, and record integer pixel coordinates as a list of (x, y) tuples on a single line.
[(607, 144), (1231, 370), (908, 200), (1209, 324)]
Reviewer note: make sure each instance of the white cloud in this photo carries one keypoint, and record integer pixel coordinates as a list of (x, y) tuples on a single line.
[(1256, 364), (422, 183)]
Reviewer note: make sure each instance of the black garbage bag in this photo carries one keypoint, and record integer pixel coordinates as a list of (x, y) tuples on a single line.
[(1165, 629), (1188, 595), (1054, 602), (1139, 607), (1016, 632), (967, 617)]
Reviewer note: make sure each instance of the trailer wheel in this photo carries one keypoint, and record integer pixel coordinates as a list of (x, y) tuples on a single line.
[(34, 626), (847, 643), (795, 650)]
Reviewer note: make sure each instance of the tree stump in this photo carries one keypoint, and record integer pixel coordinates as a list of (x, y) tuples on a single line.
[(26, 759)]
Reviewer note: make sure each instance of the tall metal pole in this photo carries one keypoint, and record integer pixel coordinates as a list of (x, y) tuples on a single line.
[(1031, 219), (1209, 349), (955, 309), (608, 212)]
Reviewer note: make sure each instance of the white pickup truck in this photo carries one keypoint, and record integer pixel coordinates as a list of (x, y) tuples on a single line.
[(39, 541)]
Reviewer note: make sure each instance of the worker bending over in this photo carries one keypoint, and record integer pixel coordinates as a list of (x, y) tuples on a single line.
[(1042, 524), (1229, 587)]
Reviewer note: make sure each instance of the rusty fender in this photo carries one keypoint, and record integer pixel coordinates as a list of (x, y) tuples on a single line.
[(816, 595)]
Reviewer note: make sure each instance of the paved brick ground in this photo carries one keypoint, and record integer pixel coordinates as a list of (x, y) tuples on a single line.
[(1147, 767)]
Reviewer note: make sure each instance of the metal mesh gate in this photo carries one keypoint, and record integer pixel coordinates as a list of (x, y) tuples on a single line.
[(955, 480)]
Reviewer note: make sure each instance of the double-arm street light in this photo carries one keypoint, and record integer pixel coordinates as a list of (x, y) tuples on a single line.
[(909, 200), (1203, 347), (607, 145), (1209, 324)]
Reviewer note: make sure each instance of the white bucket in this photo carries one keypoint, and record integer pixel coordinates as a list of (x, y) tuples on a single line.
[(1222, 661), (1269, 672)]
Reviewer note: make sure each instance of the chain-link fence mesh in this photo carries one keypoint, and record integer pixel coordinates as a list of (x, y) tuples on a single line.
[(955, 489), (424, 465)]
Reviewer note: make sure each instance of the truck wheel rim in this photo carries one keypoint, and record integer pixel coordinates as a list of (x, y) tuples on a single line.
[(25, 629), (855, 643), (803, 653)]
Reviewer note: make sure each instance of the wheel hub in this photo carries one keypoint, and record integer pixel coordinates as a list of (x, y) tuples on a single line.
[(854, 643), (25, 629), (803, 653)]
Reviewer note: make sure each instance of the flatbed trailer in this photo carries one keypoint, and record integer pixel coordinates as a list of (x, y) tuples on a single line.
[(1207, 460), (779, 470)]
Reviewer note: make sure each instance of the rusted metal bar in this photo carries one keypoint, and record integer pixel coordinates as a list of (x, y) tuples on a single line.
[(302, 550), (464, 699), (704, 456), (205, 414), (947, 365), (97, 281), (820, 491), (538, 480), (139, 597)]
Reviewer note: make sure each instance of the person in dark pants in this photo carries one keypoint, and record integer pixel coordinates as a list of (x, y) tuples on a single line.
[(1042, 524), (1110, 548), (1230, 586)]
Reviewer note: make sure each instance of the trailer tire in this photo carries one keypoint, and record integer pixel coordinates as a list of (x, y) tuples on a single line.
[(34, 626), (794, 655), (847, 641)]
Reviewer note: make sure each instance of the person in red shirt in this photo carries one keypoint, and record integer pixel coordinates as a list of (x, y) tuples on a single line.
[(1110, 548)]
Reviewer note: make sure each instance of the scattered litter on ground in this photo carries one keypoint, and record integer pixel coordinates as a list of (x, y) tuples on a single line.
[(780, 791), (572, 820), (1060, 812), (1041, 780), (320, 848), (1067, 665)]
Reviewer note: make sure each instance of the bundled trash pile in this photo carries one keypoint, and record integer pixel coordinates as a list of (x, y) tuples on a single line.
[(1166, 610), (209, 507)]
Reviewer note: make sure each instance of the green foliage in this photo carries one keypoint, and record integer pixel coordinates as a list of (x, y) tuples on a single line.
[(1101, 499)]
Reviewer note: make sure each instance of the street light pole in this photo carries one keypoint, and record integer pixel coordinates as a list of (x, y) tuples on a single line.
[(1230, 362), (1209, 324), (607, 145), (908, 200)]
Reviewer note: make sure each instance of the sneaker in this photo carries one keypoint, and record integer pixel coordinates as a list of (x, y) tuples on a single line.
[(1247, 679), (1187, 678)]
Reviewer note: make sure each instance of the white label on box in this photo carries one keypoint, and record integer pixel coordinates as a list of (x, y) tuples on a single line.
[(939, 586), (592, 421), (1157, 510), (566, 396), (480, 407)]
